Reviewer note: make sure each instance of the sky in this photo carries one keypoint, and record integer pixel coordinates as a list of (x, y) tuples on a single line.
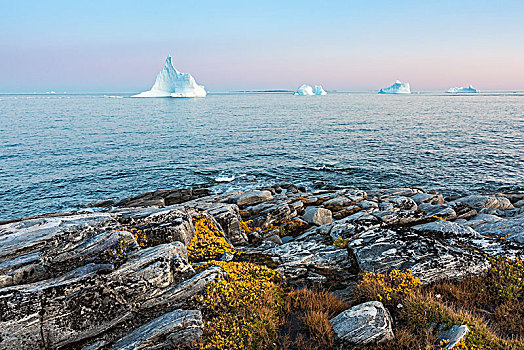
[(119, 46)]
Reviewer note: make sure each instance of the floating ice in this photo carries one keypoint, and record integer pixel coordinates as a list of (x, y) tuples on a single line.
[(397, 88), (304, 90), (172, 83), (463, 90), (318, 90)]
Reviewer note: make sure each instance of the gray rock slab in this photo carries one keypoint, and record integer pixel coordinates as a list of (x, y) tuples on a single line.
[(363, 324), (177, 327), (317, 216)]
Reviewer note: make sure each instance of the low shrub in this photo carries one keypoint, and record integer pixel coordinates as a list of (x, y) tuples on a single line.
[(242, 309), (208, 243)]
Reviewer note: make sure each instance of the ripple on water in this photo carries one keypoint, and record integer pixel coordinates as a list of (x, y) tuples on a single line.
[(59, 154)]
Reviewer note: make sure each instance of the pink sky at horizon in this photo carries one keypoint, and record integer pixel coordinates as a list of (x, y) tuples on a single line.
[(235, 46)]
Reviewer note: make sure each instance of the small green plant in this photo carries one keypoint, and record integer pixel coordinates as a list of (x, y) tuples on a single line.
[(341, 242), (507, 277), (388, 288), (120, 251)]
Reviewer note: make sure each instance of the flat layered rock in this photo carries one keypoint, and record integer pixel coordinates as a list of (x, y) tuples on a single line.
[(167, 331), (27, 236), (510, 229), (164, 197), (482, 201), (312, 258), (59, 312), (430, 257)]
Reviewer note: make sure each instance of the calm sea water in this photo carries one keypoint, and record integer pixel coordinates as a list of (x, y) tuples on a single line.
[(62, 152)]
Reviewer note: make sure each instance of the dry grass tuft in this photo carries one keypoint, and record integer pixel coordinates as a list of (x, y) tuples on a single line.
[(306, 321)]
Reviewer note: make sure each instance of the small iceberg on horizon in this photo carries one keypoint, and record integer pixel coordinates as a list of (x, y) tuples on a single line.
[(172, 83), (306, 90), (463, 90), (319, 91), (397, 88)]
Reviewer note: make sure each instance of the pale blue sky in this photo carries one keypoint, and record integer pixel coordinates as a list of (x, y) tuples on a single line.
[(117, 45)]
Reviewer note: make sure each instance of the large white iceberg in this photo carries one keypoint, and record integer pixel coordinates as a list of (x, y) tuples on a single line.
[(304, 90), (172, 83), (397, 88), (318, 90), (463, 90)]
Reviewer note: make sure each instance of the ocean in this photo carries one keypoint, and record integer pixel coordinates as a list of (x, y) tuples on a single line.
[(64, 152)]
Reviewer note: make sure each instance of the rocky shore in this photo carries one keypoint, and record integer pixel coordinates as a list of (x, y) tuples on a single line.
[(137, 274)]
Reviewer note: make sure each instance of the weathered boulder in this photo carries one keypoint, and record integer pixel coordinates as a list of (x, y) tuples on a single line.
[(26, 236), (317, 216), (345, 212), (175, 328), (363, 324), (22, 241), (251, 198), (447, 229), (274, 213), (165, 226), (368, 205), (337, 203), (463, 210), (394, 192), (462, 234), (179, 294), (273, 238), (228, 216), (19, 275)]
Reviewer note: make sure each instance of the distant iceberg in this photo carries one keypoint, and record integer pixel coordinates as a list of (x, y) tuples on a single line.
[(463, 90), (172, 83), (397, 88), (304, 90), (318, 90)]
